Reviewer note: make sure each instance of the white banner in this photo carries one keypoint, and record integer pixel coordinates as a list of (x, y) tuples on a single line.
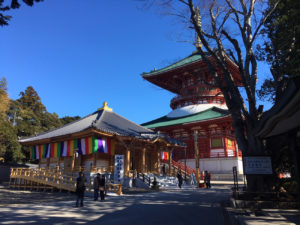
[(119, 168)]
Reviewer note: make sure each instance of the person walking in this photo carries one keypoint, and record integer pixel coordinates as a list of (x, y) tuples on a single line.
[(96, 186), (164, 170), (179, 177), (102, 187), (80, 189), (207, 179)]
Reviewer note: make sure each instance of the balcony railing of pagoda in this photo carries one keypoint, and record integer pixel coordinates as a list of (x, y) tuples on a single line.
[(191, 97), (220, 155)]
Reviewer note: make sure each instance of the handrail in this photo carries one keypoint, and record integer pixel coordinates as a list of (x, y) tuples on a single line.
[(49, 178), (184, 169), (42, 177), (146, 179)]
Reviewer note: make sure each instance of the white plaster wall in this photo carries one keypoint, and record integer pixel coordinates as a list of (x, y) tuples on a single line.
[(217, 165)]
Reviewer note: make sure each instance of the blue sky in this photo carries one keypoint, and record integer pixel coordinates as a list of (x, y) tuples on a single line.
[(77, 54)]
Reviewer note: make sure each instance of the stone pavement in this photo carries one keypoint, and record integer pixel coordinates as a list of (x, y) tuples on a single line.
[(170, 207), (264, 216), (185, 206)]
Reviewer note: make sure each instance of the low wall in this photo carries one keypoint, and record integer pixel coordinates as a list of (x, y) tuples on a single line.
[(218, 166)]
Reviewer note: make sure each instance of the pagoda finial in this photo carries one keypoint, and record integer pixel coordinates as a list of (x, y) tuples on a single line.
[(198, 18), (105, 107)]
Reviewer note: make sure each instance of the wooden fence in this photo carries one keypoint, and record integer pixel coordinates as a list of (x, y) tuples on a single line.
[(46, 178)]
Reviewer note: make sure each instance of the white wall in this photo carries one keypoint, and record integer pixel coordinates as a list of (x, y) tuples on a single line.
[(217, 165)]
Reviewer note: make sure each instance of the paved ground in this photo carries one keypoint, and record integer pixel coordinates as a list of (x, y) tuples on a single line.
[(264, 216), (170, 207)]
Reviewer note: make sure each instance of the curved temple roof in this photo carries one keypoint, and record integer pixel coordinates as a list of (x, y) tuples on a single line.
[(209, 114), (104, 121)]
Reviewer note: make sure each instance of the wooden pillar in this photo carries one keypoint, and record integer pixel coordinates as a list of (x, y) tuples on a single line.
[(73, 160), (158, 155), (152, 161), (225, 146), (111, 163), (169, 161), (143, 160), (197, 157), (127, 162)]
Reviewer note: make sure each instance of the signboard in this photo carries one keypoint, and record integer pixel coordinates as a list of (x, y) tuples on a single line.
[(257, 165), (119, 168)]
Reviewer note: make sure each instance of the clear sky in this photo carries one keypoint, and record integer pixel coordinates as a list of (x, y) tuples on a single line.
[(79, 53)]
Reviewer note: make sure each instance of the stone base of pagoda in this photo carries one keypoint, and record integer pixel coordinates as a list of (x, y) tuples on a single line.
[(218, 165)]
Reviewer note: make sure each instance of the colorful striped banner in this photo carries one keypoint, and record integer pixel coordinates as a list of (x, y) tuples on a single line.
[(32, 153), (164, 155), (52, 150), (47, 154), (83, 146)]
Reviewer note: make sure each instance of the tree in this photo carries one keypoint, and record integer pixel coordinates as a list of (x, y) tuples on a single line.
[(30, 116), (10, 149), (227, 30), (281, 48), (14, 4), (68, 119), (4, 100)]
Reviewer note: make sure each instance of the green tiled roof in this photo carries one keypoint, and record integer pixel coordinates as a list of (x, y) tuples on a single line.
[(190, 59), (208, 114)]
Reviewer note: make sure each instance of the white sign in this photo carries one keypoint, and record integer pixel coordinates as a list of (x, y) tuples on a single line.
[(258, 165), (119, 168)]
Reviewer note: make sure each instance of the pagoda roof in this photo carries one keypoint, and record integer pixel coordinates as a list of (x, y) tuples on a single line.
[(209, 114), (104, 121), (193, 61), (181, 63)]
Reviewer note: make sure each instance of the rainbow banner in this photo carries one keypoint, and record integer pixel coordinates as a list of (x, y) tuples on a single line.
[(102, 145), (164, 155), (83, 146)]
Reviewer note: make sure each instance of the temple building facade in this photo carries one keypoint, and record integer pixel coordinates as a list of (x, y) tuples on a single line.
[(199, 115), (93, 143)]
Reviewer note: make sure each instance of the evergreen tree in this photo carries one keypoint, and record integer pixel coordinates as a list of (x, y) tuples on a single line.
[(68, 119), (10, 149), (4, 100), (281, 48)]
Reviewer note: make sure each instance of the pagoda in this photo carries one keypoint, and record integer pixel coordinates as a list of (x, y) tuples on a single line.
[(199, 105)]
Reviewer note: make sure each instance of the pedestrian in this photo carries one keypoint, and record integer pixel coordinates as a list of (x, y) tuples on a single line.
[(164, 170), (96, 186), (179, 177), (80, 188), (102, 187), (207, 179)]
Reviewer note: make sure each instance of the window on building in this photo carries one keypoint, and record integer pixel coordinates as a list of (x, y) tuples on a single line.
[(229, 143), (216, 142)]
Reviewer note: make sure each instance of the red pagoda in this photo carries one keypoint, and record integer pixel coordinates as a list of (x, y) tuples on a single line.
[(198, 105)]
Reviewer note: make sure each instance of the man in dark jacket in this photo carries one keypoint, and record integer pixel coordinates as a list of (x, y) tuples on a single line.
[(96, 186), (179, 177), (102, 187), (80, 188)]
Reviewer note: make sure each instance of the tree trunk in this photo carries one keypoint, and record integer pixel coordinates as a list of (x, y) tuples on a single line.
[(295, 149)]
